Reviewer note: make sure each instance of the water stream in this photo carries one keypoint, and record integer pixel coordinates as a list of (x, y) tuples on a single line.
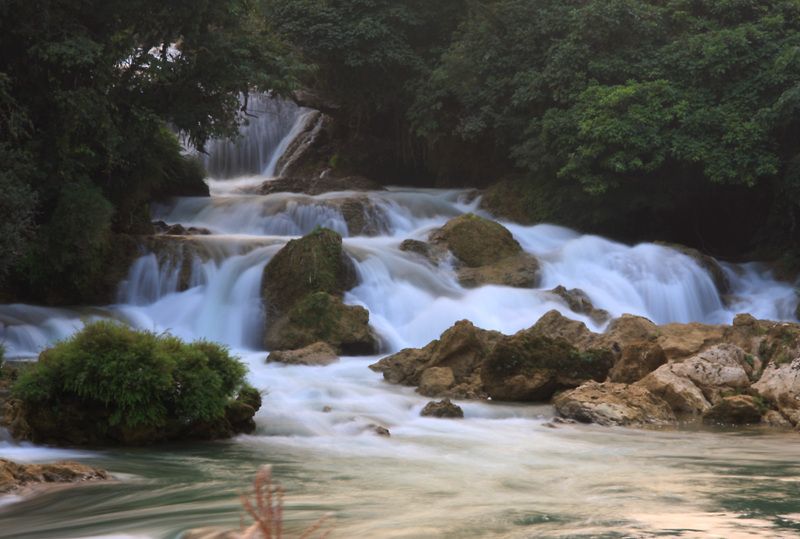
[(501, 472)]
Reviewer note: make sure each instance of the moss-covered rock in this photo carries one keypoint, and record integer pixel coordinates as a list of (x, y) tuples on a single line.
[(323, 317), (736, 410), (476, 241), (313, 263), (533, 367)]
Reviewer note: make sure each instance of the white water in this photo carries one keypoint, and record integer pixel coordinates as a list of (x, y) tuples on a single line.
[(500, 472)]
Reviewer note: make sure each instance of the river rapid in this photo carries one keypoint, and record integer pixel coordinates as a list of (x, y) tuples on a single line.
[(501, 472)]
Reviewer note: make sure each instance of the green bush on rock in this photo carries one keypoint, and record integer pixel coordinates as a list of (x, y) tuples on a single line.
[(109, 383)]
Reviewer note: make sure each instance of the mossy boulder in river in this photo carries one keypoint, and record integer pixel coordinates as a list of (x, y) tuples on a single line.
[(314, 263), (476, 241), (321, 317), (529, 367)]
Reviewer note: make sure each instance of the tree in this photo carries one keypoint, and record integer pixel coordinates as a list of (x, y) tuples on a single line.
[(87, 92)]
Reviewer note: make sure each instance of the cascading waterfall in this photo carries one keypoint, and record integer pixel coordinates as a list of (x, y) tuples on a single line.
[(501, 472)]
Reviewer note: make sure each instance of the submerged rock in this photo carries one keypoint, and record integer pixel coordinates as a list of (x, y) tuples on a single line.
[(443, 408), (14, 477), (319, 353)]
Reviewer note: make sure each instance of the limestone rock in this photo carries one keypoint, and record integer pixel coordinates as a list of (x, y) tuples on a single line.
[(612, 404), (638, 359), (676, 390), (444, 408), (578, 302), (720, 369), (529, 367), (734, 410), (317, 354), (406, 366), (436, 381), (14, 477), (321, 317), (363, 218), (780, 385), (624, 330), (773, 418), (435, 253), (555, 325), (681, 341)]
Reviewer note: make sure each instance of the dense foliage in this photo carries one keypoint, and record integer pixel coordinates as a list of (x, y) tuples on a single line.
[(91, 93), (639, 118), (133, 377)]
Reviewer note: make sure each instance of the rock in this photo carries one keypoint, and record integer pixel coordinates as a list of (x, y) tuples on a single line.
[(613, 404), (380, 431), (780, 385), (734, 410), (433, 253), (555, 325), (719, 370), (162, 228), (747, 333), (578, 302), (676, 390), (773, 418), (321, 181), (444, 408), (321, 317), (313, 263), (476, 241), (781, 343), (510, 201), (436, 381), (681, 341), (461, 348), (638, 359), (317, 354), (533, 367), (14, 477), (715, 271), (520, 271), (624, 330), (363, 218)]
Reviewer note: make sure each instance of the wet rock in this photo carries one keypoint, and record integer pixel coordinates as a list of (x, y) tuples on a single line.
[(518, 271), (444, 408), (14, 477), (613, 404), (578, 302), (773, 418), (406, 366), (638, 359), (380, 431), (709, 264), (533, 367), (162, 228), (321, 317), (734, 410), (476, 241), (311, 264), (436, 254), (318, 183), (317, 354), (362, 216)]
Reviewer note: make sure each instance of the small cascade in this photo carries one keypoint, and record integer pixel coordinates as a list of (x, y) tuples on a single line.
[(258, 148)]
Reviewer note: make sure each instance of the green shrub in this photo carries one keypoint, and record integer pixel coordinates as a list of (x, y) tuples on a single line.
[(139, 377)]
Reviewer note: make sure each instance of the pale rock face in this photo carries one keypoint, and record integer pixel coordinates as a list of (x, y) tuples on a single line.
[(719, 369), (612, 404), (780, 385), (677, 390)]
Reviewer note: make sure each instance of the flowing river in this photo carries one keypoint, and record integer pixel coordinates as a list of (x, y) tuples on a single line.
[(501, 472)]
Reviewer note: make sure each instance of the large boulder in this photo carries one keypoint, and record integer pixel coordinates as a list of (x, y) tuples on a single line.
[(555, 325), (612, 404), (14, 477), (528, 367), (321, 317), (313, 263), (681, 341), (694, 385), (476, 241)]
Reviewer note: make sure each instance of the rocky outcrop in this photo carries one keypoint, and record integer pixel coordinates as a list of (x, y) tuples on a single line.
[(533, 367), (321, 317), (317, 354), (160, 228), (446, 366), (780, 386), (15, 477), (443, 408), (613, 404), (578, 302)]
